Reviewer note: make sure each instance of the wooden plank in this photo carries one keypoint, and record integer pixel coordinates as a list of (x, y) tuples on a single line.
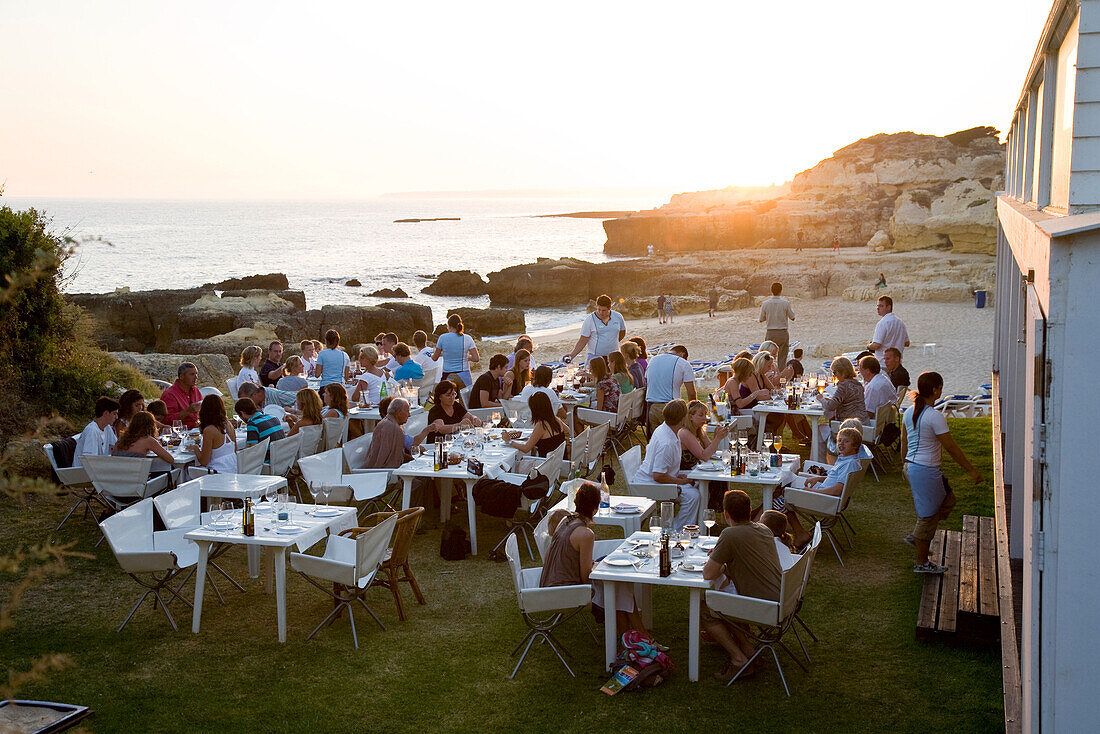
[(930, 595), (949, 596), (987, 571), (968, 570), (1010, 655)]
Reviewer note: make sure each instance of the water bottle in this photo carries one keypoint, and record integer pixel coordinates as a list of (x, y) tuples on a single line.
[(382, 392), (605, 493)]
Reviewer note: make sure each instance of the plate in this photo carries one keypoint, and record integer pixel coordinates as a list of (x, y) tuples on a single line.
[(710, 467), (691, 567), (619, 561), (223, 524), (627, 509), (262, 508), (288, 529), (326, 512)]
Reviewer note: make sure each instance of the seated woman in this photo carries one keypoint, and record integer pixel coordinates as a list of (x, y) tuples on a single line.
[(607, 390), (130, 403), (744, 388), (310, 408), (251, 357), (569, 559), (218, 451), (524, 342), (335, 399), (547, 430), (631, 352), (832, 483), (139, 439), (847, 400), (619, 371), (159, 411), (294, 379), (777, 370), (371, 380), (448, 415), (695, 445), (643, 353), (518, 375)]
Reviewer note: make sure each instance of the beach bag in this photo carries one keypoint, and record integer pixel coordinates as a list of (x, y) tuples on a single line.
[(639, 666), (453, 545)]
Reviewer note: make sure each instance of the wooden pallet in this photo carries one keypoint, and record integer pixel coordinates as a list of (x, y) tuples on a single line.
[(961, 606)]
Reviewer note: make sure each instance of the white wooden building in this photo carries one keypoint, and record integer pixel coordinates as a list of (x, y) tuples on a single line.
[(1046, 359)]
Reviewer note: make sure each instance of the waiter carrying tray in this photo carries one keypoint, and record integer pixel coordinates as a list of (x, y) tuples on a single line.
[(601, 332)]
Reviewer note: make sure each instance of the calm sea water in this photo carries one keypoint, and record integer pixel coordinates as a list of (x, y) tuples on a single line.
[(320, 245)]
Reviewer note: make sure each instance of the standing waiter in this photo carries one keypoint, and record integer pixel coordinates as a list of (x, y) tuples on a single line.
[(601, 332), (774, 312)]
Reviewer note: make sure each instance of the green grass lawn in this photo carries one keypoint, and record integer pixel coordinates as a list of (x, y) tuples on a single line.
[(446, 668)]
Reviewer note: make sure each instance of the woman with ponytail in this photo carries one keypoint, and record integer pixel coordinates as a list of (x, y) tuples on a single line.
[(925, 435), (457, 350)]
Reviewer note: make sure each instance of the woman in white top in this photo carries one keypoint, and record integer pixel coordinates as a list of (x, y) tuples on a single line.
[(219, 447), (457, 350), (370, 382), (250, 362), (293, 380), (925, 434)]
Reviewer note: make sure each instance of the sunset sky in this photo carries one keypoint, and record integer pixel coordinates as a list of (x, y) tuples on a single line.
[(349, 100)]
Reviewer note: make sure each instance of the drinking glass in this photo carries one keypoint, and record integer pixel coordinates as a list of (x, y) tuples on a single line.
[(708, 520), (743, 439), (496, 418), (315, 490), (655, 526), (768, 438), (325, 490), (270, 493), (177, 428), (754, 464), (777, 441)]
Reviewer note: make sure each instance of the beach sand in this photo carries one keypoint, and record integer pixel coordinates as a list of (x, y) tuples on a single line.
[(963, 336)]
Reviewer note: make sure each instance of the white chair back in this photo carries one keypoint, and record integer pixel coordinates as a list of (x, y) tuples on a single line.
[(511, 551), (68, 476), (355, 451), (542, 536), (322, 468), (597, 439), (180, 507), (283, 453), (795, 579), (232, 384), (131, 529), (275, 411), (417, 423), (887, 413), (370, 549), (485, 415), (335, 433), (311, 440), (121, 477), (465, 394), (637, 404), (206, 391), (251, 459), (630, 461), (551, 468)]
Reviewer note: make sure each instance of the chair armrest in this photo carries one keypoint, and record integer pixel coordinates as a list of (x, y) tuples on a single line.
[(143, 561), (555, 598), (512, 478), (323, 568), (73, 475), (743, 608), (805, 499), (366, 486), (156, 485), (653, 490), (596, 417)]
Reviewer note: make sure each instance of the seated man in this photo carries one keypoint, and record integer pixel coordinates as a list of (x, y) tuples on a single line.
[(183, 398), (309, 357), (258, 425), (877, 388), (98, 437), (390, 446), (794, 364), (384, 343), (272, 370), (271, 396), (746, 555), (899, 376), (486, 390), (405, 368), (848, 443), (540, 382), (422, 353), (662, 463)]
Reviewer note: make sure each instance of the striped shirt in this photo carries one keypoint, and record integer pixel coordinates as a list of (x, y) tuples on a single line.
[(261, 426)]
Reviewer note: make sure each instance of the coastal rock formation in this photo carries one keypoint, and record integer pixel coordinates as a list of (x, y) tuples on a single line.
[(646, 307), (230, 344), (481, 322), (456, 283), (353, 283), (926, 191), (269, 282), (136, 320), (214, 369), (298, 298), (389, 293)]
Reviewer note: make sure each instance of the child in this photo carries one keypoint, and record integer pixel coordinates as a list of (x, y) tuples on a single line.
[(795, 363)]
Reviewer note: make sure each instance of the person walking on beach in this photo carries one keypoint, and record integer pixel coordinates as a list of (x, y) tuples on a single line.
[(775, 312), (712, 298), (601, 332), (668, 308), (889, 332), (661, 308), (836, 243)]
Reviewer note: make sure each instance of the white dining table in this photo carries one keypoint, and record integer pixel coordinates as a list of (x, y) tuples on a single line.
[(630, 522), (271, 542), (370, 416), (810, 411), (647, 574), (767, 481), (235, 486), (496, 455)]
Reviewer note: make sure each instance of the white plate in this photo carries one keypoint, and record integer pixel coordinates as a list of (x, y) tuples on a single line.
[(619, 562), (326, 512), (627, 509), (223, 524), (691, 567), (710, 467), (288, 529)]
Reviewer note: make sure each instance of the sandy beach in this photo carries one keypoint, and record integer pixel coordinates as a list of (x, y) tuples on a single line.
[(963, 336)]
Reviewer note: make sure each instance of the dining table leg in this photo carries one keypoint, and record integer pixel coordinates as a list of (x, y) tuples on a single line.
[(760, 430), (471, 515), (704, 500), (445, 494), (693, 634), (610, 631), (815, 442), (253, 553), (280, 591), (269, 577), (406, 492), (200, 583)]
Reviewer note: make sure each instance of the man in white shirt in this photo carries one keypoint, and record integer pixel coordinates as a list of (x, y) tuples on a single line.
[(877, 388), (98, 437), (774, 312), (662, 463), (889, 332), (601, 332), (540, 382), (422, 353), (309, 357), (664, 376)]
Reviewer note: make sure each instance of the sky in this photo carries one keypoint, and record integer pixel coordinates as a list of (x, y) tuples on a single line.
[(347, 100)]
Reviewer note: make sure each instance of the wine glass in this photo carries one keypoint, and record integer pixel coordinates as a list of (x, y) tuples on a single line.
[(315, 490), (768, 438), (708, 520), (269, 494), (655, 526), (777, 442), (177, 428), (496, 418), (743, 439), (325, 490)]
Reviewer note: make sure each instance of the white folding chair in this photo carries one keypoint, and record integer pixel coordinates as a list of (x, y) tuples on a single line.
[(464, 393), (251, 460), (597, 446), (233, 383), (282, 454), (629, 463), (275, 411), (578, 459), (205, 391), (355, 451), (766, 622), (326, 470), (122, 480), (311, 440), (152, 559), (348, 567), (543, 609), (335, 433), (180, 510), (416, 423), (485, 415), (823, 508), (76, 481)]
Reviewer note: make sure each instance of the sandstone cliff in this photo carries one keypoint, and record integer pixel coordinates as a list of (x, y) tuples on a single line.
[(902, 191)]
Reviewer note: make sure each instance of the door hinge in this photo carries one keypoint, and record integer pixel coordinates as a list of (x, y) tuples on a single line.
[(1041, 550)]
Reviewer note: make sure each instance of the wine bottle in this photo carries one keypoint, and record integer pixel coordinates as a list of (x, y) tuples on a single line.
[(666, 556), (249, 523)]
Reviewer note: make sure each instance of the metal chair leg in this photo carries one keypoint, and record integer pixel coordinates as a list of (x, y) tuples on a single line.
[(798, 637), (331, 617), (372, 614), (806, 627), (133, 611)]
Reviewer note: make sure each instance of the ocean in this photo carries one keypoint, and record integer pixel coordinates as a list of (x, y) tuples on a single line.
[(145, 244)]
